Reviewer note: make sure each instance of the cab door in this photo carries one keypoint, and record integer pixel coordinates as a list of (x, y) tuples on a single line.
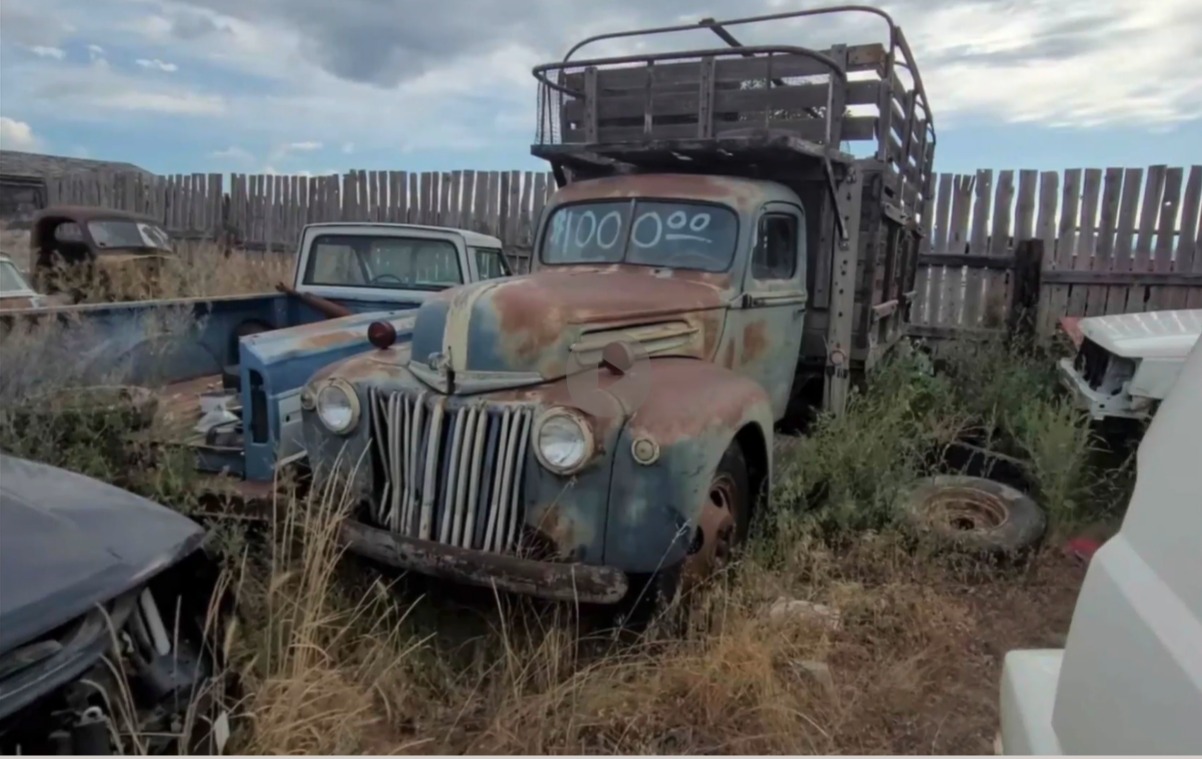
[(764, 335)]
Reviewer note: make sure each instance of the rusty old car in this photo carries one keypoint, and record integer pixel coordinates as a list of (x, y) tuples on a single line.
[(711, 262), (92, 250)]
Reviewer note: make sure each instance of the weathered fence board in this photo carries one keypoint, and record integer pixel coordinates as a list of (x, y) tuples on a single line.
[(1115, 240), (271, 210)]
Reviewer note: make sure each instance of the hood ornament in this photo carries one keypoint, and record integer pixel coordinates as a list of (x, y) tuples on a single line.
[(440, 364)]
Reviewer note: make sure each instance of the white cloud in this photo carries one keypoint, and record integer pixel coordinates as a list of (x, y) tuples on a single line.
[(17, 135), (1134, 69), (186, 103), (233, 153), (95, 52), (155, 63), (46, 51), (1078, 63)]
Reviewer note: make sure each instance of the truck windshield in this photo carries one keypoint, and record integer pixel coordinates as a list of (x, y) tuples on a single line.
[(685, 235), (397, 263), (120, 233)]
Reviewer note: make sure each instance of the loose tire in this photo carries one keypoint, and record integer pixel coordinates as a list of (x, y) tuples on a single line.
[(975, 515)]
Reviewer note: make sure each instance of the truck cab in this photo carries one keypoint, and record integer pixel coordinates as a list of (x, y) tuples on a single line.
[(606, 420)]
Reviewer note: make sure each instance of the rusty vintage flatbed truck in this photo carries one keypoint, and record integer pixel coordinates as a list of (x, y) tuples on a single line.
[(709, 255)]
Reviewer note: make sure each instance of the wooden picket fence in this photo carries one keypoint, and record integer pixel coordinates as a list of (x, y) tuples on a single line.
[(1113, 240), (269, 210), (1116, 240)]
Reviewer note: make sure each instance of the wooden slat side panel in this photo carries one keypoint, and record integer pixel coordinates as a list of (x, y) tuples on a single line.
[(811, 129), (633, 104), (731, 69)]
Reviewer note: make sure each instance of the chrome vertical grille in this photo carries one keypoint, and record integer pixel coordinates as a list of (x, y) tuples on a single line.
[(452, 475)]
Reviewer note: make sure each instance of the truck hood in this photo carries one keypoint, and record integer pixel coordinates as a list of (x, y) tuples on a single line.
[(1155, 334), (69, 542), (544, 324)]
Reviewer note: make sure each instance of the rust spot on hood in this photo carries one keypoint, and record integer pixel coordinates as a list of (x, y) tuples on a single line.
[(543, 301)]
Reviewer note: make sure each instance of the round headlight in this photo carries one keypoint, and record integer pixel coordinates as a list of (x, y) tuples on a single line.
[(563, 441), (338, 407)]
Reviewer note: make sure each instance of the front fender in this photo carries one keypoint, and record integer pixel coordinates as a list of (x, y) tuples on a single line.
[(276, 365), (693, 411)]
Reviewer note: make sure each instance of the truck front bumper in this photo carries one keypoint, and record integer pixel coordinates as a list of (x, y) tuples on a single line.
[(1100, 405), (545, 579)]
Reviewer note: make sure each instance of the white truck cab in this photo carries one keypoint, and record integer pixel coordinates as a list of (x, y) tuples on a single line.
[(368, 261), (1127, 363), (1129, 679)]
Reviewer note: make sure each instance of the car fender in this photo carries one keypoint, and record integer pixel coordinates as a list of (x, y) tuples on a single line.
[(690, 414)]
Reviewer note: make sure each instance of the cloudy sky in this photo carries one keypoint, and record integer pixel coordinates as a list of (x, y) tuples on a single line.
[(328, 85)]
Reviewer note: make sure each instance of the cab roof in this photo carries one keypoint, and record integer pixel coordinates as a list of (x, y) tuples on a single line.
[(470, 237)]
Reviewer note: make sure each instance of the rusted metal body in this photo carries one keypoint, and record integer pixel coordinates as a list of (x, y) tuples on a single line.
[(443, 455), (100, 242), (614, 408)]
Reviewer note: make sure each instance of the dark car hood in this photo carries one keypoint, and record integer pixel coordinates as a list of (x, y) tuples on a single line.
[(68, 541)]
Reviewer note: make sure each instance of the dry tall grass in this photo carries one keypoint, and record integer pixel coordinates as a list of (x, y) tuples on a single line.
[(334, 662)]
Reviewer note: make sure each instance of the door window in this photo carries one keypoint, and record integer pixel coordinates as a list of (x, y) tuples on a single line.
[(776, 252)]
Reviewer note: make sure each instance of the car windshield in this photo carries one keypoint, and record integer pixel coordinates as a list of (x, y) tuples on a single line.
[(490, 264), (122, 233), (675, 234), (11, 280), (396, 263)]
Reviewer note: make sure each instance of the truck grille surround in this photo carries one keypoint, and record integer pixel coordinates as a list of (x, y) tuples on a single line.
[(1091, 363), (449, 473)]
